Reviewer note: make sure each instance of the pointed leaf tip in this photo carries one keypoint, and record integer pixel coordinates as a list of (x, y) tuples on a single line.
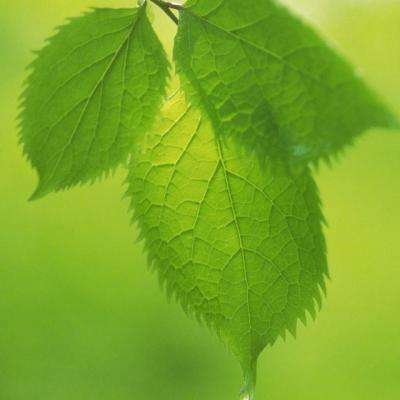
[(248, 390), (39, 193)]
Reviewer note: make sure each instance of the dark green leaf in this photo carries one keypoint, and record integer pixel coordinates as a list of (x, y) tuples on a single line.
[(268, 80)]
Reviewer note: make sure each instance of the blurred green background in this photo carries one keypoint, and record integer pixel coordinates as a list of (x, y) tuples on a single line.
[(82, 318)]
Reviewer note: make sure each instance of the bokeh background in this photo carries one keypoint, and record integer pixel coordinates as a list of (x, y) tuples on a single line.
[(81, 317)]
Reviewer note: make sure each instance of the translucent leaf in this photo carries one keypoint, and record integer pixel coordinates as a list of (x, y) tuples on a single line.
[(92, 91), (239, 244)]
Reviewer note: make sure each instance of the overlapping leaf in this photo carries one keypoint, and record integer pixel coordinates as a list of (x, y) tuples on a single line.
[(267, 79), (93, 89), (239, 244)]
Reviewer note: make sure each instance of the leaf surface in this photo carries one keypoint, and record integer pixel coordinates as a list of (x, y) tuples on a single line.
[(238, 244), (270, 81), (93, 90)]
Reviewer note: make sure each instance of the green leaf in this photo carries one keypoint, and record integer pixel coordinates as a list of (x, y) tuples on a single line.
[(93, 90), (267, 79), (239, 244)]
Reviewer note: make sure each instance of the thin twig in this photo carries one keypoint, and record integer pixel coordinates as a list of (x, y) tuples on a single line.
[(175, 6), (167, 8)]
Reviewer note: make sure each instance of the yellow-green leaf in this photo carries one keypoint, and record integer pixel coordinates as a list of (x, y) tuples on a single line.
[(239, 244)]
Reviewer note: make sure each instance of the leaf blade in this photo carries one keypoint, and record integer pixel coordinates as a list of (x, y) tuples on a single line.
[(93, 90), (238, 244), (268, 80)]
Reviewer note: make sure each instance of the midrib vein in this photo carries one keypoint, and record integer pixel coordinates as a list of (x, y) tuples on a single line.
[(206, 21), (237, 227), (136, 19)]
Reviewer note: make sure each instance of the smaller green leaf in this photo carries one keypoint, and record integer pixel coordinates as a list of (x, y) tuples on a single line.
[(93, 90)]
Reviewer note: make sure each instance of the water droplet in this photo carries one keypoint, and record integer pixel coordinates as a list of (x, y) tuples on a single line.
[(246, 396)]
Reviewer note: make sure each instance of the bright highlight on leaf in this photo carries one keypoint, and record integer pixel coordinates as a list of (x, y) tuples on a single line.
[(238, 244), (269, 81), (94, 89)]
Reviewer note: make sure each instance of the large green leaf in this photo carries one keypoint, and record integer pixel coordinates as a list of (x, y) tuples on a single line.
[(267, 79), (239, 244), (93, 90)]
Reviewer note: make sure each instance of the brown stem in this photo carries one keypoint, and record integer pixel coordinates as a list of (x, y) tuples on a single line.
[(167, 7)]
